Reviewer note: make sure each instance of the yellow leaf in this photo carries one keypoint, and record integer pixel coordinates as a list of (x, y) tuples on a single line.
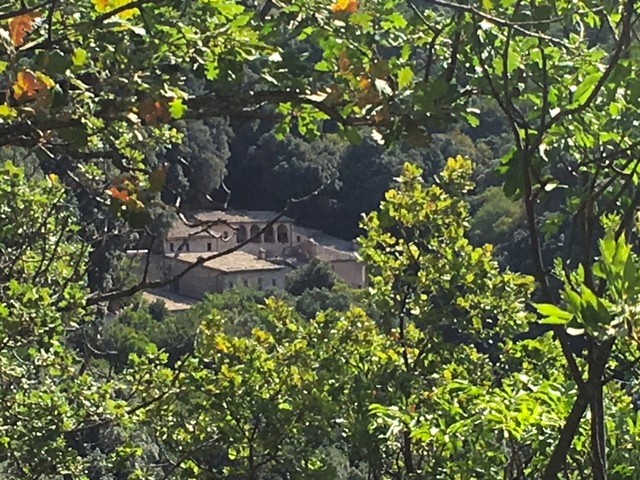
[(79, 57), (487, 4), (345, 6), (101, 5), (106, 6), (29, 85), (222, 345), (7, 112)]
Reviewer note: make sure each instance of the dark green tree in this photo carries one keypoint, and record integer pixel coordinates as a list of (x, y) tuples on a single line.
[(315, 274)]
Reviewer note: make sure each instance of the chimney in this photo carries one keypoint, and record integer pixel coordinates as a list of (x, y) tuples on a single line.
[(310, 248), (262, 254)]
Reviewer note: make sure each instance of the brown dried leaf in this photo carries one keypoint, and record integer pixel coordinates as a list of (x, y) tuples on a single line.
[(20, 26), (29, 85)]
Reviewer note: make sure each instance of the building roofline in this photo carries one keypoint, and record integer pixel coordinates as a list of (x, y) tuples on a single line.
[(228, 263)]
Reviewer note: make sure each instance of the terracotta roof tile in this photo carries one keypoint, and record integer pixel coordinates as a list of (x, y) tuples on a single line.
[(231, 262)]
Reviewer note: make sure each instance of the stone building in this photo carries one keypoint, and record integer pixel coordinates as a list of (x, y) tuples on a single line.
[(276, 247), (218, 274), (215, 231), (339, 254)]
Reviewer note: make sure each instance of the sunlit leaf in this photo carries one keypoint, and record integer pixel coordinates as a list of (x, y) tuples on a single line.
[(21, 26), (345, 6), (28, 85), (177, 108)]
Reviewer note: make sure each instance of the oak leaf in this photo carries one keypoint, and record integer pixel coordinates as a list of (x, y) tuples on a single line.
[(29, 85), (345, 6), (118, 194), (20, 26)]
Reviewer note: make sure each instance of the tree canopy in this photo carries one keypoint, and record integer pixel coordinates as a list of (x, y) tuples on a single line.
[(118, 114)]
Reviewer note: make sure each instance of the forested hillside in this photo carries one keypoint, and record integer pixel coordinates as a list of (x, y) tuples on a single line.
[(484, 154)]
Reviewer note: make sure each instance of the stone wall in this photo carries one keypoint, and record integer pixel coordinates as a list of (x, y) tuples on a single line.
[(261, 280), (202, 280), (351, 271), (198, 282)]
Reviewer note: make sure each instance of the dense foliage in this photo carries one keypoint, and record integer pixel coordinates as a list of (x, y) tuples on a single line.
[(448, 124)]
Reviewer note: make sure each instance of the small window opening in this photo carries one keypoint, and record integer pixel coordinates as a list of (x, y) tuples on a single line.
[(283, 234), (254, 232), (241, 234)]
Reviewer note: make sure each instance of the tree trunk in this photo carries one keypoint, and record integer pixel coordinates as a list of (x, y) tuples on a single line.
[(407, 452), (569, 430)]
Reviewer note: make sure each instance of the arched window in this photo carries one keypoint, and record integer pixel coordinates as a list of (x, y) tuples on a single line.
[(241, 234), (269, 237), (283, 234), (255, 230)]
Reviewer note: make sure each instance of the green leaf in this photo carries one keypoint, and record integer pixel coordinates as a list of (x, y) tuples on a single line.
[(615, 109), (213, 70), (487, 5), (549, 310), (406, 52), (353, 135), (513, 60), (7, 112), (405, 77), (471, 118), (586, 88), (323, 66), (362, 20), (177, 109), (79, 57), (56, 62)]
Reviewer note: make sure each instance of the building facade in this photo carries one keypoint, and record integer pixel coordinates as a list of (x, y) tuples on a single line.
[(219, 274), (262, 252), (216, 231)]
